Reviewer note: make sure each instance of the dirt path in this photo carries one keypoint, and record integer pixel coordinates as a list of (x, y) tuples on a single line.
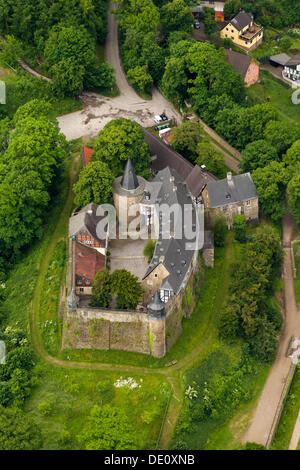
[(272, 394)]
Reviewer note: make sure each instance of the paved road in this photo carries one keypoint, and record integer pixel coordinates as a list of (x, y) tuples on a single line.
[(99, 110), (265, 412)]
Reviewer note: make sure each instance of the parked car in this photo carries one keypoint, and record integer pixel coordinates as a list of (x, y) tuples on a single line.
[(158, 119), (197, 24), (164, 117)]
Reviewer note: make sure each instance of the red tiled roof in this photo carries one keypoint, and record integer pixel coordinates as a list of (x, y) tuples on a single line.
[(88, 261), (219, 14), (87, 153)]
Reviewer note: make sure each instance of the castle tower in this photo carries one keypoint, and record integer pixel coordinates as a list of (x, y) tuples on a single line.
[(157, 326), (127, 192)]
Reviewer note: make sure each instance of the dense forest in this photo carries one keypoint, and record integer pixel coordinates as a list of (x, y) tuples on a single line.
[(276, 13), (61, 36)]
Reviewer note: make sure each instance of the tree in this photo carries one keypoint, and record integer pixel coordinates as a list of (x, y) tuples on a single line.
[(127, 288), (231, 8), (140, 15), (18, 431), (11, 51), (176, 16), (186, 138), (102, 289), (257, 154), (220, 230), (271, 183), (293, 193), (120, 139), (285, 44), (72, 62), (212, 158), (139, 78), (34, 109), (108, 428), (292, 156), (281, 135), (5, 129), (68, 77), (239, 226), (174, 81), (208, 16), (94, 184), (33, 159)]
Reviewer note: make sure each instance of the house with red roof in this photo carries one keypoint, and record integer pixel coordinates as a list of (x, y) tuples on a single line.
[(88, 262)]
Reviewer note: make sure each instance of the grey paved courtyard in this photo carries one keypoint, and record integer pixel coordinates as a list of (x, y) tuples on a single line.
[(128, 254)]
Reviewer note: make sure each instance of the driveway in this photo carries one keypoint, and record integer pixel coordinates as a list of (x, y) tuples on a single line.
[(99, 110), (271, 396)]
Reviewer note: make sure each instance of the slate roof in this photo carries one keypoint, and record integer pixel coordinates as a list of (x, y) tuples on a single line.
[(241, 20), (88, 261), (240, 62), (239, 188), (85, 223), (172, 252), (280, 59), (165, 156), (293, 61), (197, 180), (129, 180)]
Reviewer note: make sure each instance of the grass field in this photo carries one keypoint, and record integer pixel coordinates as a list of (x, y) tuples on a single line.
[(72, 394), (289, 415), (278, 94), (297, 279)]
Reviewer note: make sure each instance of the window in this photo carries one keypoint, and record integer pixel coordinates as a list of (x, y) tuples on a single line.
[(155, 275), (248, 203), (81, 289)]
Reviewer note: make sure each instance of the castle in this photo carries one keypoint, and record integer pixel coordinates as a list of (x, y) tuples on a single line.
[(167, 280)]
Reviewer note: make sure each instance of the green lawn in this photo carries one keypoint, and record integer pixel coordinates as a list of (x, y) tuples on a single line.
[(278, 94), (297, 279), (289, 415), (73, 393)]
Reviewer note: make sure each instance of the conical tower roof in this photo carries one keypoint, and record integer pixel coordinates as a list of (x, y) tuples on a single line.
[(129, 180), (156, 306)]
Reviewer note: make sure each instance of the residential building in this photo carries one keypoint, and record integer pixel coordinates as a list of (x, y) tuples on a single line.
[(243, 31), (292, 68), (246, 66), (231, 196)]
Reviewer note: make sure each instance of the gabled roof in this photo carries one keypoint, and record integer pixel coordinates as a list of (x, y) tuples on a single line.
[(129, 181), (197, 179), (241, 20), (239, 61), (85, 223), (88, 261), (281, 59), (294, 61), (229, 191)]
